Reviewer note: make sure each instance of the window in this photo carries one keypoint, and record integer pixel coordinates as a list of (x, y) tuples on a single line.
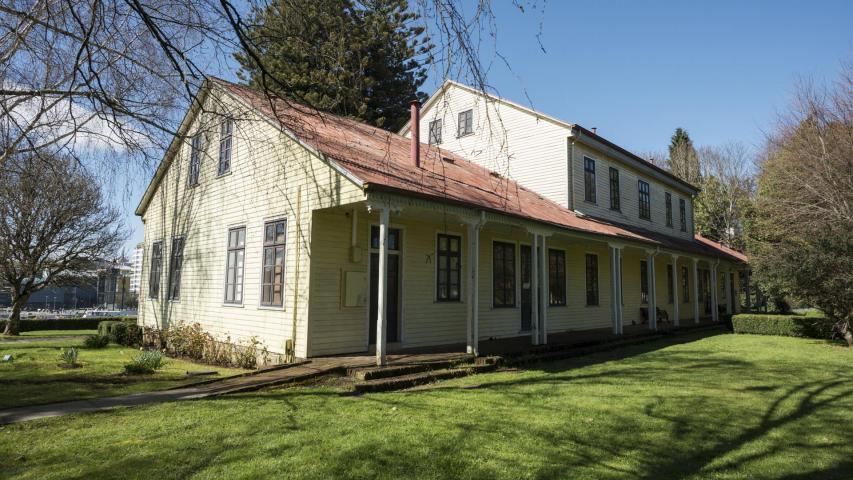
[(670, 286), (234, 265), (195, 159), (557, 277), (272, 277), (644, 282), (614, 189), (435, 132), (589, 179), (176, 263), (591, 279), (645, 202), (685, 289), (682, 210), (449, 252), (668, 209), (225, 139), (156, 266), (465, 125), (503, 276)]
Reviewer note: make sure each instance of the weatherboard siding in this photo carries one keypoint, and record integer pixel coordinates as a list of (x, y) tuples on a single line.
[(527, 149), (271, 177)]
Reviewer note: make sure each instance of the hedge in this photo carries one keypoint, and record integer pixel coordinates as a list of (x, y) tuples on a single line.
[(785, 325), (122, 332), (76, 323)]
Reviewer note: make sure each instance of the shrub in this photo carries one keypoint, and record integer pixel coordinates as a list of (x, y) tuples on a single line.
[(191, 341), (96, 341), (122, 332), (68, 357), (148, 361), (785, 325)]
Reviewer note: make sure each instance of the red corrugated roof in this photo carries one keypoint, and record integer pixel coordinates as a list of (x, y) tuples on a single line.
[(381, 160)]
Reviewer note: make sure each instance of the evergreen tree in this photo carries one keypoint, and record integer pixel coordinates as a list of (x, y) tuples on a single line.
[(683, 160), (357, 58)]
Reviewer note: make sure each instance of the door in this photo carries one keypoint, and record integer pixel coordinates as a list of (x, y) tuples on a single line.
[(526, 289), (392, 300)]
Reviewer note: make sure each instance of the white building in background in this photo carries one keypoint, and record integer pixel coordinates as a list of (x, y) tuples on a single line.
[(136, 274)]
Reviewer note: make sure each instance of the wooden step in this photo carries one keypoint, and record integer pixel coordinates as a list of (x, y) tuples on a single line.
[(402, 382)]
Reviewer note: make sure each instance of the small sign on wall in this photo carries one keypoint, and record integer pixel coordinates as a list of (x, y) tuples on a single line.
[(355, 289)]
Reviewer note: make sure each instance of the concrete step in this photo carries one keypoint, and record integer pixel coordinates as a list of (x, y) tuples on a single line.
[(543, 355), (402, 382)]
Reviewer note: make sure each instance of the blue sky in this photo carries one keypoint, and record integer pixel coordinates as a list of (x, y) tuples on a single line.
[(637, 70)]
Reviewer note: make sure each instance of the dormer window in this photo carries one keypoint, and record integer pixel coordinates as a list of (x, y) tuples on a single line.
[(435, 132), (465, 124)]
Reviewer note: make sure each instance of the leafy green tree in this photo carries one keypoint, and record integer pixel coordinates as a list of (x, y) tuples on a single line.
[(358, 58), (683, 159), (802, 239)]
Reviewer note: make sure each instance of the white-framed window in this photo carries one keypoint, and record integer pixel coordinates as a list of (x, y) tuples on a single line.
[(272, 276), (435, 132), (154, 269), (465, 124), (176, 264), (226, 131), (448, 267), (235, 265), (195, 160)]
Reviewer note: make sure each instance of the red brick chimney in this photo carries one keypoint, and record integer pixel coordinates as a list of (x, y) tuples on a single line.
[(415, 129)]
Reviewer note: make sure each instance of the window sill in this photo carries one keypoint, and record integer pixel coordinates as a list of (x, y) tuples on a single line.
[(223, 174), (233, 305), (617, 210), (271, 307), (558, 305), (593, 306), (503, 307), (591, 202), (439, 302), (464, 135)]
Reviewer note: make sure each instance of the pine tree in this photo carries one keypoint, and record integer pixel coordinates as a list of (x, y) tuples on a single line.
[(683, 160), (357, 58)]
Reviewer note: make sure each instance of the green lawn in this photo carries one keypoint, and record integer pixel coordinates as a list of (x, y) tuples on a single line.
[(725, 406), (34, 377)]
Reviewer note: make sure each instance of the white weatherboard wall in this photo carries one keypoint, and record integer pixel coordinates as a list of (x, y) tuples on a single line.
[(271, 177), (506, 140), (534, 150)]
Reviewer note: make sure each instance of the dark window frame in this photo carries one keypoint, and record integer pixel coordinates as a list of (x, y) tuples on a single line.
[(155, 269), (682, 207), (435, 127), (507, 276), (644, 282), (270, 277), (194, 170), (589, 193), (226, 145), (234, 274), (556, 277), (668, 200), (592, 290), (443, 269), (615, 201), (465, 123), (685, 286), (645, 199), (176, 267)]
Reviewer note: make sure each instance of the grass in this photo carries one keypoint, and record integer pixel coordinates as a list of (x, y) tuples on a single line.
[(723, 407), (34, 377)]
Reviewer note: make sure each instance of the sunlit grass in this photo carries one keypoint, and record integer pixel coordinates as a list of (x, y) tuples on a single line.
[(720, 407), (34, 376)]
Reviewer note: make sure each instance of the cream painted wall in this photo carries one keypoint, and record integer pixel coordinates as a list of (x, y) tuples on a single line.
[(271, 177)]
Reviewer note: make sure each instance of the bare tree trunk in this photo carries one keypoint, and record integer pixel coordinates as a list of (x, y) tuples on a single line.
[(13, 322), (846, 332)]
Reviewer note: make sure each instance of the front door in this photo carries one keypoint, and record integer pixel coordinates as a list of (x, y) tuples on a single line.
[(392, 300), (526, 289)]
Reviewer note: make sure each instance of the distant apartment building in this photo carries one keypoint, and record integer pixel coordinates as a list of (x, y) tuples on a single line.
[(136, 274)]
